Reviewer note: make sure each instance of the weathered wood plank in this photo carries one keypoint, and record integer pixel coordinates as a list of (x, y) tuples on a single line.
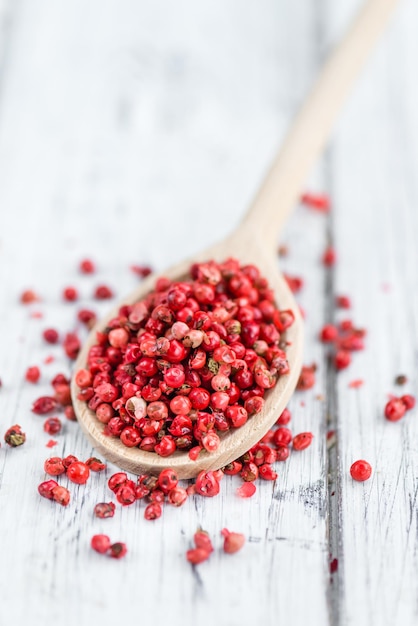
[(373, 157)]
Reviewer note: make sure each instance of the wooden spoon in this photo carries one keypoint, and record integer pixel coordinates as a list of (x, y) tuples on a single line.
[(255, 242)]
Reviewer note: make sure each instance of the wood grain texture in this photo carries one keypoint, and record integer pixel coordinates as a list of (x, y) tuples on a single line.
[(117, 118)]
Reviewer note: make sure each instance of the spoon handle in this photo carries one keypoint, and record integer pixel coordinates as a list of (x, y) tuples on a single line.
[(312, 126)]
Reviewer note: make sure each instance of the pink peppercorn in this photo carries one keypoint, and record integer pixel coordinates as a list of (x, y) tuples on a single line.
[(302, 441), (100, 543), (118, 550), (329, 333), (342, 359), (197, 555), (153, 511), (318, 201), (33, 374), (70, 294), (14, 436), (343, 302), (329, 257), (104, 510), (52, 425), (246, 490), (50, 335), (361, 470), (409, 402), (61, 495), (28, 296), (78, 472), (103, 292), (233, 542), (395, 409), (87, 266), (45, 489)]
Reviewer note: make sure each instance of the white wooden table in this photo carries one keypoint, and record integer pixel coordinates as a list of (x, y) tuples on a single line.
[(135, 132)]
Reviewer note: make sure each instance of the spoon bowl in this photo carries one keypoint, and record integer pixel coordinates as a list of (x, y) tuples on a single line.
[(235, 441)]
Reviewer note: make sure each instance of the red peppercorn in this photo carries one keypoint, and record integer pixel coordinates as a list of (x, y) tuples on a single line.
[(249, 471), (284, 418), (329, 257), (232, 541), (83, 378), (206, 484), (210, 441), (153, 511), (54, 466), (409, 402), (45, 489), (141, 270), (103, 292), (100, 543), (118, 550), (202, 540), (166, 446), (306, 378), (29, 296), (177, 496), (87, 317), (50, 335), (43, 405), (70, 294), (52, 425), (343, 302), (126, 493), (295, 282), (317, 201), (87, 266), (104, 510), (329, 333), (68, 460), (302, 441), (14, 436), (70, 413), (197, 555), (116, 480), (167, 480), (282, 453), (361, 470), (395, 409), (78, 472), (247, 490), (282, 436), (71, 345), (342, 359), (61, 495), (33, 374), (266, 472), (194, 452), (95, 465)]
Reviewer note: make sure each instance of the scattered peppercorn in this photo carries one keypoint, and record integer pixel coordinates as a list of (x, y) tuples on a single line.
[(233, 542), (52, 425), (14, 436), (361, 470), (50, 335), (104, 509), (318, 201), (87, 266), (33, 374)]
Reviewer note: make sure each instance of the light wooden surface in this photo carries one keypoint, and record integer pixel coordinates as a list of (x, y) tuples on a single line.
[(117, 118)]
